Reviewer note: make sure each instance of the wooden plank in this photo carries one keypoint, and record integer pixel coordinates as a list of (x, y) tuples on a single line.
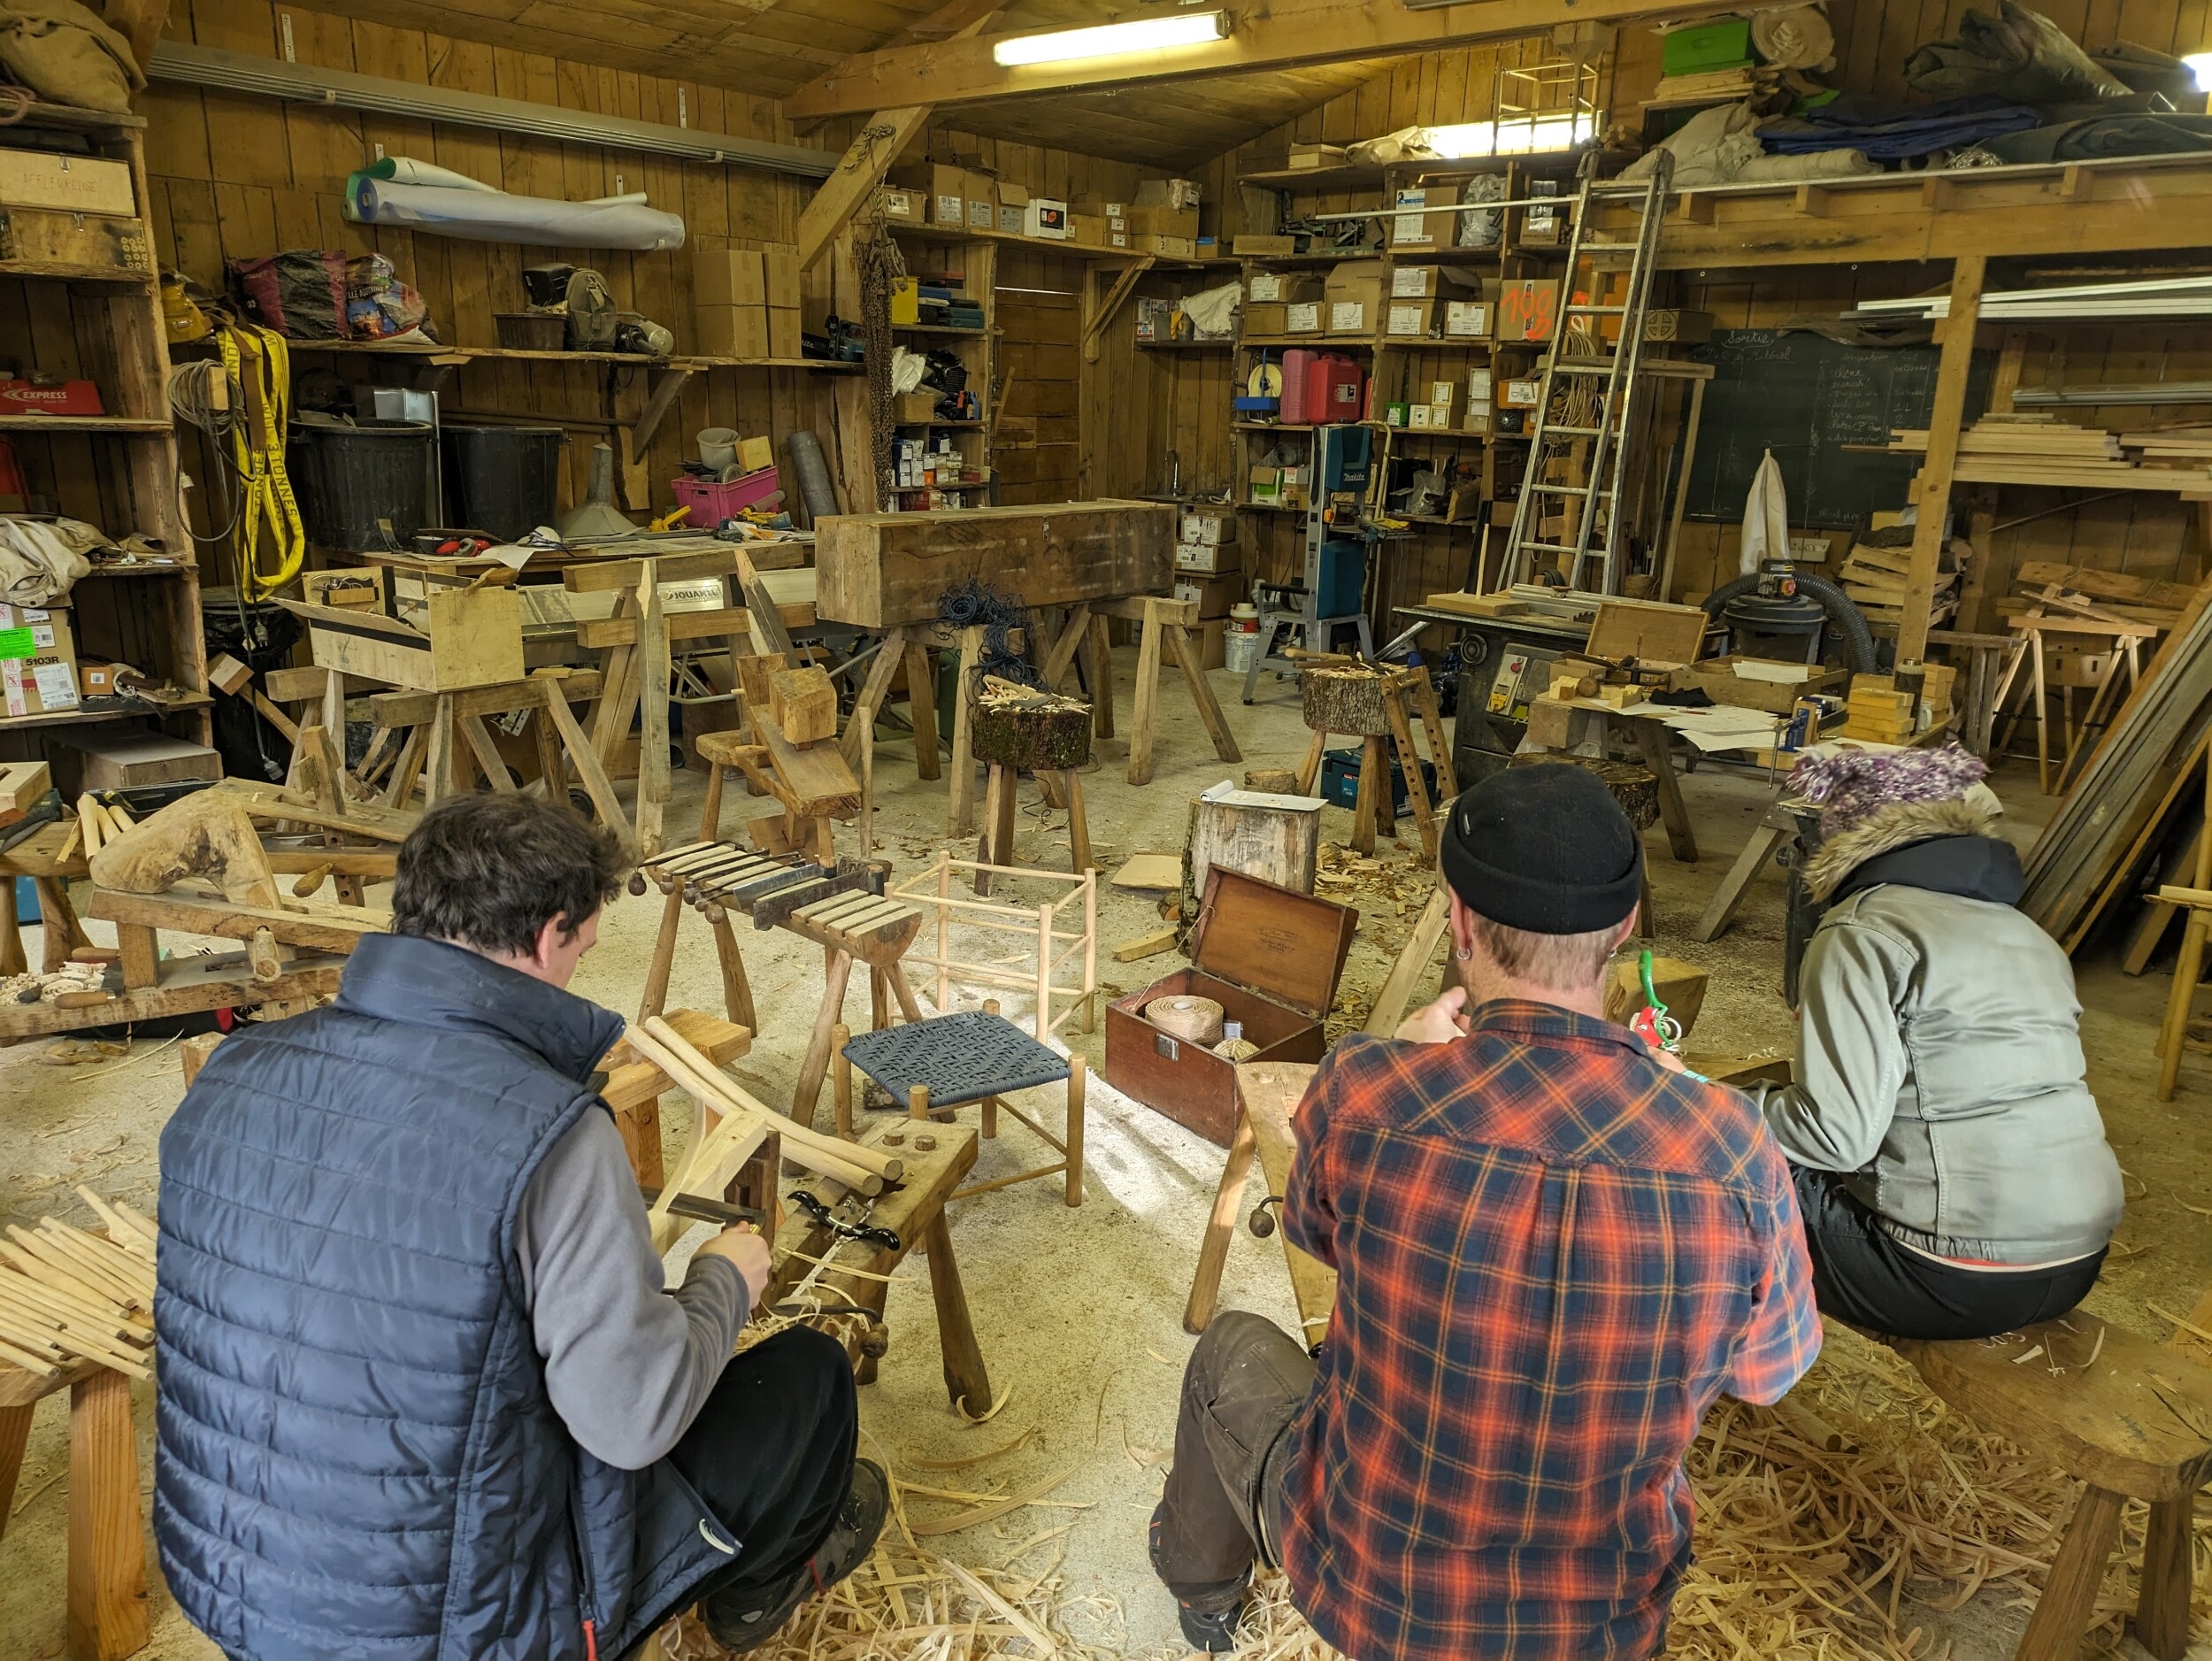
[(815, 774), (884, 570), (412, 709), (320, 928), (1270, 1092)]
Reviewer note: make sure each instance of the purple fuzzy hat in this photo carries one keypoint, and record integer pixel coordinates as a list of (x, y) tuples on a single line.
[(1852, 785)]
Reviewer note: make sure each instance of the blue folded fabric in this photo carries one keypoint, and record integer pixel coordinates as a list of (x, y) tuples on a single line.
[(1894, 132)]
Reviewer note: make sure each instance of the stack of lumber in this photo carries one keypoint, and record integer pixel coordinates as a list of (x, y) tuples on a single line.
[(1716, 86), (2046, 587), (2188, 447), (68, 1297), (1876, 579), (2031, 447), (2135, 780)]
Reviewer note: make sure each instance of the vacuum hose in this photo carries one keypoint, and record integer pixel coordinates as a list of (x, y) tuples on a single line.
[(1858, 640)]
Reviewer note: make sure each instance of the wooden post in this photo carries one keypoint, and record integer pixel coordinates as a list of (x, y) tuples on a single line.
[(962, 806), (921, 701), (1140, 723), (1076, 1078), (2070, 1595), (842, 1080), (944, 928), (1044, 972), (1213, 1251), (653, 672), (107, 1551), (15, 1435), (965, 1378), (1967, 272)]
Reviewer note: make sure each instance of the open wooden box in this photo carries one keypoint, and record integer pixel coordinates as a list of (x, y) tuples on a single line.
[(1272, 957)]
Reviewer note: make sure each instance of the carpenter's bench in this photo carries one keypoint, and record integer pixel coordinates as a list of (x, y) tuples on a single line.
[(107, 1548)]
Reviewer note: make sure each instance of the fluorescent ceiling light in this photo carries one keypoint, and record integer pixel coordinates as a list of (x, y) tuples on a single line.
[(1114, 40), (1522, 136), (2201, 66)]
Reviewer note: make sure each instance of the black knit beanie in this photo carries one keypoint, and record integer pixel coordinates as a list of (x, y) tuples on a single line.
[(1545, 849)]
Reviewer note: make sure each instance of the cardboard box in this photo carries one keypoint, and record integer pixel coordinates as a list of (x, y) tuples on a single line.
[(1162, 221), (780, 263), (981, 189), (783, 332), (1271, 956), (1172, 247), (1358, 283), (905, 204), (1265, 320), (1308, 157), (67, 184), (38, 660), (1413, 317), (1013, 207), (1265, 485), (1411, 227), (1520, 392), (1089, 229), (1284, 286), (1177, 195), (753, 454), (1207, 559), (1528, 309), (732, 331), (911, 408), (1351, 317), (948, 199), (1215, 594), (1418, 416), (1046, 217), (1216, 526), (1417, 283), (58, 398), (1469, 319), (1263, 247), (732, 276), (1306, 318)]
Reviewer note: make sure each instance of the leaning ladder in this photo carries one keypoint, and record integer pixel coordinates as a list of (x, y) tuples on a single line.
[(1594, 501)]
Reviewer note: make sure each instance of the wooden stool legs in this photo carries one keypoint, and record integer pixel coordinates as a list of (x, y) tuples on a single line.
[(2070, 1596), (966, 1380), (107, 1548), (2162, 1607), (842, 1080), (996, 847)]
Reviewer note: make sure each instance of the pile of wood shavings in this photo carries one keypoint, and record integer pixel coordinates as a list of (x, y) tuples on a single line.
[(1809, 1555)]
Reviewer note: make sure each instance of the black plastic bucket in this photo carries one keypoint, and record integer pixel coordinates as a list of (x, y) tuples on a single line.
[(349, 478), (504, 480)]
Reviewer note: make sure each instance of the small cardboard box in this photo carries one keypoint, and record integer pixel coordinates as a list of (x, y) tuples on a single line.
[(1351, 317), (1263, 247), (38, 660), (1013, 207), (1265, 320), (1357, 283), (910, 409), (733, 331), (1146, 220), (1413, 317), (780, 265), (1216, 526), (783, 332), (1528, 309), (1089, 229), (905, 204), (1272, 957), (731, 276), (1284, 286), (1046, 217), (1410, 226), (1417, 283), (1207, 559), (1172, 247), (981, 189), (1469, 319), (1310, 157), (1307, 317), (1176, 194), (948, 202)]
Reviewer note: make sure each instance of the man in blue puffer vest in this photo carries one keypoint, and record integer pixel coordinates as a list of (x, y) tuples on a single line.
[(423, 1396)]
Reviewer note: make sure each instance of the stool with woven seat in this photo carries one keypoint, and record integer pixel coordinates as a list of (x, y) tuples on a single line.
[(947, 1061)]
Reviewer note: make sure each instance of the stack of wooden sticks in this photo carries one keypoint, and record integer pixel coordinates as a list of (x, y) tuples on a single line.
[(68, 1296)]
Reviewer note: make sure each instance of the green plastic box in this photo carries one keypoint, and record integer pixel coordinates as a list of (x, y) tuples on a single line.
[(1724, 44)]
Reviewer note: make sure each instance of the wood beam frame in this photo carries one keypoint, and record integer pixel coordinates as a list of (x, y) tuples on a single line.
[(1263, 35), (882, 137)]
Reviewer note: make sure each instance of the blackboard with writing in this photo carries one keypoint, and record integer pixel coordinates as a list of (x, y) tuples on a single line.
[(1807, 397)]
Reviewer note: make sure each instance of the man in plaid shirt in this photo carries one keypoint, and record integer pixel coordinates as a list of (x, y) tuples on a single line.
[(1553, 1249)]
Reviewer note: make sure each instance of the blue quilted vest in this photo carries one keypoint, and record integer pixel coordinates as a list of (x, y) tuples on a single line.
[(356, 1456)]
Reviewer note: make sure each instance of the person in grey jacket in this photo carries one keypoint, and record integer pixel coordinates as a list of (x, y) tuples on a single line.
[(1950, 1162)]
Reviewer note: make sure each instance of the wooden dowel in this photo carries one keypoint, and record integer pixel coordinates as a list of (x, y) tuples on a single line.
[(124, 1226), (44, 1315), (811, 1149), (130, 1274), (41, 1266)]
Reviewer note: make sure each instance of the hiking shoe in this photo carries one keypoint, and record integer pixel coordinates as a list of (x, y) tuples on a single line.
[(1213, 1631), (742, 1619)]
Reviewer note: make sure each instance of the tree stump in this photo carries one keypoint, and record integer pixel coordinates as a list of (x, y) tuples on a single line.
[(1635, 787), (1031, 732), (1344, 698)]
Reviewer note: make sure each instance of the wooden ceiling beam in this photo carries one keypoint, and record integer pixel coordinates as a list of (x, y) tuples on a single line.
[(1263, 35)]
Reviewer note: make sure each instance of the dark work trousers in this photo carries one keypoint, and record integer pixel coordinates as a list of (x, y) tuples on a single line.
[(1223, 1507), (771, 1454), (1861, 1275)]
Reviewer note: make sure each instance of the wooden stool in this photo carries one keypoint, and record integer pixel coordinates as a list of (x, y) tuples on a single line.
[(947, 1061), (2119, 1428), (1018, 729), (107, 1547), (936, 1158), (997, 845), (1268, 1093), (1378, 706)]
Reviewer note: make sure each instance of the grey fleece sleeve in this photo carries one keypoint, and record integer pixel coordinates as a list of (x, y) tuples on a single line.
[(1851, 1057), (627, 1366)]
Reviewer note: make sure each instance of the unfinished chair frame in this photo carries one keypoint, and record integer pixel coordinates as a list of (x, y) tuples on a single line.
[(1047, 924)]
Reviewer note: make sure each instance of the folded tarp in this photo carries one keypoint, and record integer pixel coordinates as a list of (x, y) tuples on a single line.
[(498, 217), (1894, 132), (2019, 55), (2105, 136)]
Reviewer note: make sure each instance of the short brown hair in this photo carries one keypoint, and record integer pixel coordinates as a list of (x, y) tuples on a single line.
[(491, 871), (1564, 963)]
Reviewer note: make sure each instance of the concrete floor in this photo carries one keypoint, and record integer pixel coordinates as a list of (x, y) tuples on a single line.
[(1078, 1311)]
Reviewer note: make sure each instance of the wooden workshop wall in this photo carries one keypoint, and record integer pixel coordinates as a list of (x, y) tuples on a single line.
[(233, 177)]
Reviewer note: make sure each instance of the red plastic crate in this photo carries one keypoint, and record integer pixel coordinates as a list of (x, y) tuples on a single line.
[(711, 503)]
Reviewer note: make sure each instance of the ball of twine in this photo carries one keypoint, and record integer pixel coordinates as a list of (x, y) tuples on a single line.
[(1237, 1049), (1194, 1020)]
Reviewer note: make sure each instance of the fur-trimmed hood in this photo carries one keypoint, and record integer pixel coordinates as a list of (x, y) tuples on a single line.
[(1901, 825)]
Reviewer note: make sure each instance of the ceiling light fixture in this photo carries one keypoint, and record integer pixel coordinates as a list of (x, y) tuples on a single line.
[(2201, 66), (1114, 40)]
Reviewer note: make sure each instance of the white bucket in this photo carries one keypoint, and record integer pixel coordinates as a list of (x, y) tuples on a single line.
[(1240, 648)]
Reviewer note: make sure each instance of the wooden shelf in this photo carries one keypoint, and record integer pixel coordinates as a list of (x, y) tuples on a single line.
[(1455, 432), (1432, 520), (1334, 257), (123, 424), (81, 120), (180, 569), (1046, 244), (1266, 507), (1349, 176), (693, 361), (85, 717), (1187, 346), (949, 426), (939, 328), (1426, 343), (47, 271), (1258, 341)]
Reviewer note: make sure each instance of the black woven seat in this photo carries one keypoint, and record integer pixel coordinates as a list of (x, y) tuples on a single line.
[(960, 1058)]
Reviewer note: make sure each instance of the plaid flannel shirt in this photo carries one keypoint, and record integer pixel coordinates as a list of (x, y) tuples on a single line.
[(1552, 1255)]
